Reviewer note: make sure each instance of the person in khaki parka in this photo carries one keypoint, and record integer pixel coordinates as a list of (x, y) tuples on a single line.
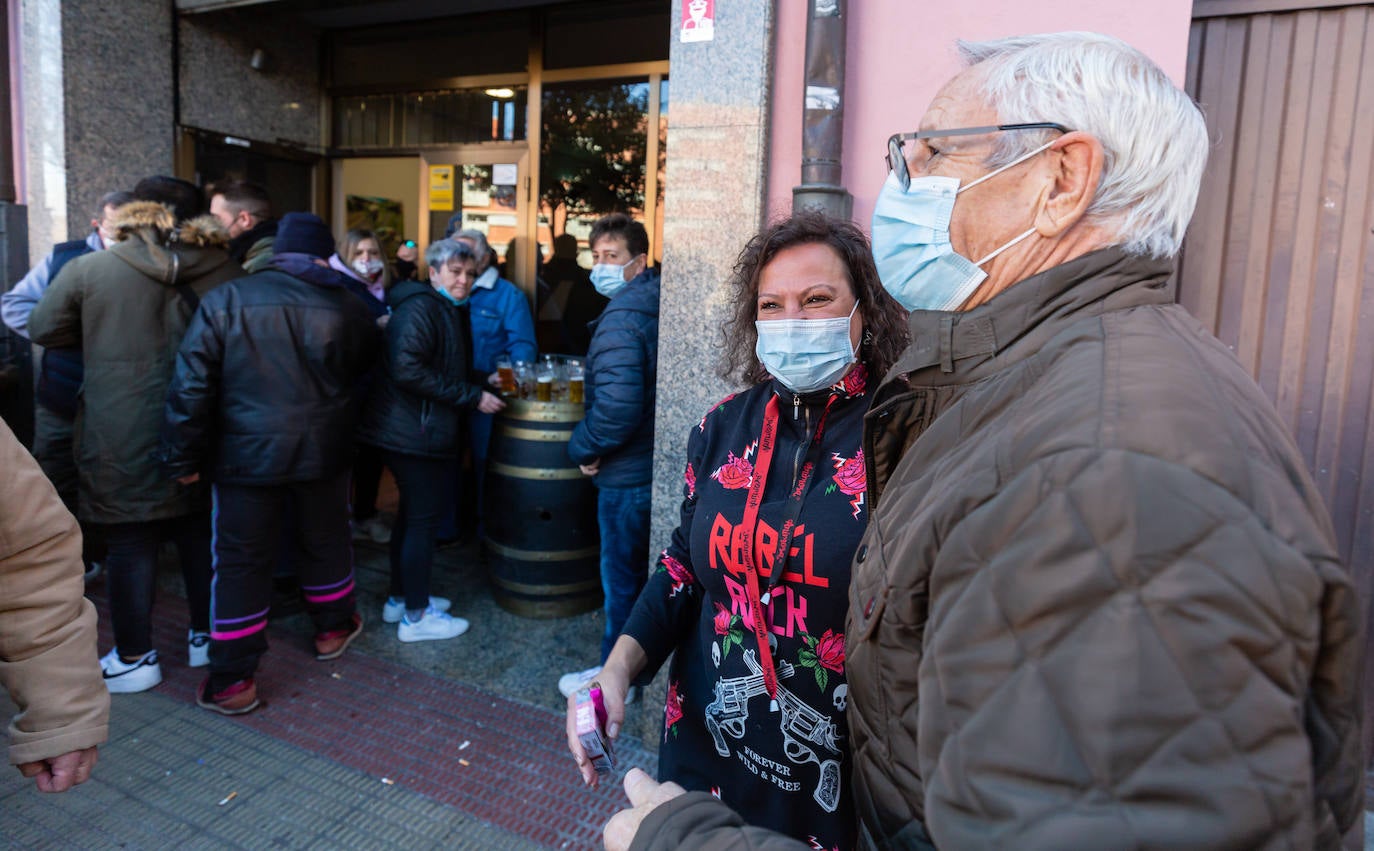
[(1099, 603)]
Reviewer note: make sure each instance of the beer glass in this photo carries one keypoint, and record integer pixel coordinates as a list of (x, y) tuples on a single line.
[(524, 377), (506, 370), (576, 375), (543, 382)]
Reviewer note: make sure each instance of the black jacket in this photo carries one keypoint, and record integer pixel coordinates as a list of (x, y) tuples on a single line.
[(621, 388), (266, 383), (417, 406)]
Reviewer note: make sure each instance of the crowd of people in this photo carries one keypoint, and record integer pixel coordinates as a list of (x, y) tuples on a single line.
[(995, 546)]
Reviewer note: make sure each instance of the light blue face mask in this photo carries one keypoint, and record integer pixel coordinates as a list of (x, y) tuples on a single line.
[(806, 354), (916, 263), (608, 279), (451, 300)]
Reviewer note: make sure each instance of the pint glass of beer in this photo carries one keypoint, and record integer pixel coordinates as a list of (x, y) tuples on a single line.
[(543, 382), (506, 371), (576, 375)]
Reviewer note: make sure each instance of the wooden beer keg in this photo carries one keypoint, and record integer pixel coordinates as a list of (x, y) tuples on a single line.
[(540, 514)]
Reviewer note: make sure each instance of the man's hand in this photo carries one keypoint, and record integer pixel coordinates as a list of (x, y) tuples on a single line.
[(189, 480), (644, 793), (61, 772), (490, 404), (590, 469)]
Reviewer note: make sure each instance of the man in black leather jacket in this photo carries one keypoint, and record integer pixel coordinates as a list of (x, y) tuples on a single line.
[(264, 402)]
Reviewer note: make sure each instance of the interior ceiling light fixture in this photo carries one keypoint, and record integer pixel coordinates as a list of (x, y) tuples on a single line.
[(500, 93)]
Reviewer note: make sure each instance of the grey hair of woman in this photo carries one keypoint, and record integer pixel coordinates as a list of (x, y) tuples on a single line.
[(445, 251)]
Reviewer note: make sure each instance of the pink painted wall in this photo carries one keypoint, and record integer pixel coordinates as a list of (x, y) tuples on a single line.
[(900, 53)]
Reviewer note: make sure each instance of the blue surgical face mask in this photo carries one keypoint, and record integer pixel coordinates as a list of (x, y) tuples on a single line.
[(806, 354), (608, 278), (916, 262), (446, 294)]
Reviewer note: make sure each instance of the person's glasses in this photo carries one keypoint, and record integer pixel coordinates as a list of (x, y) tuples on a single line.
[(896, 160)]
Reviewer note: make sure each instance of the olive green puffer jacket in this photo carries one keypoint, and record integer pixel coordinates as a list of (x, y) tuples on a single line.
[(128, 308)]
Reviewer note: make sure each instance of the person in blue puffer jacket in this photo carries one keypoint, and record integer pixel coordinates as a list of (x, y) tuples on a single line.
[(614, 443)]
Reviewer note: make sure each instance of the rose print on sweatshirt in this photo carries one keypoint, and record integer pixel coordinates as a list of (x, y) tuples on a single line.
[(735, 473), (677, 571), (850, 478), (823, 655), (672, 711), (690, 476), (728, 626)]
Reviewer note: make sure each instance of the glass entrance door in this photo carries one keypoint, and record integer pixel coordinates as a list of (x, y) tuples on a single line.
[(486, 190)]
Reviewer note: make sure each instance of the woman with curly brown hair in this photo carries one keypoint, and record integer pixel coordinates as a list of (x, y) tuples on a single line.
[(749, 598)]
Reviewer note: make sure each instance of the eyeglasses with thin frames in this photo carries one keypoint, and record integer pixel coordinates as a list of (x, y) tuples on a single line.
[(896, 162)]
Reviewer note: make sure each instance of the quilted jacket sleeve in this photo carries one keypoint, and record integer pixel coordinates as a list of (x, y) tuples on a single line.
[(698, 820), (56, 319), (411, 338), (47, 628), (1119, 647), (188, 419), (618, 361)]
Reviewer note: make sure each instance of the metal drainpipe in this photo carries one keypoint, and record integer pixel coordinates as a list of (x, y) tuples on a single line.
[(7, 189), (823, 119)]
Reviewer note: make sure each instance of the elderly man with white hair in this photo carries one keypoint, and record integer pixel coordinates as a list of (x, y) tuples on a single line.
[(1099, 603)]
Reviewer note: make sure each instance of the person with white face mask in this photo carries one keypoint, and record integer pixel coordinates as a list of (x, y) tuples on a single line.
[(1099, 602), (359, 260), (774, 504)]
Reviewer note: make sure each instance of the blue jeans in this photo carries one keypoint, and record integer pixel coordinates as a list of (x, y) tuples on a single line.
[(623, 517)]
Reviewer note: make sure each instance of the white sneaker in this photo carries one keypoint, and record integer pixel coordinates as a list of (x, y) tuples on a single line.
[(572, 683), (393, 610), (433, 626), (197, 648), (128, 677), (377, 530)]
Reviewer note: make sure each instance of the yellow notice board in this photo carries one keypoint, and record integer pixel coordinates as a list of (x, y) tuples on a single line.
[(441, 187)]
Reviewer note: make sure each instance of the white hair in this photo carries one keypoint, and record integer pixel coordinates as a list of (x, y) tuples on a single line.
[(1153, 134)]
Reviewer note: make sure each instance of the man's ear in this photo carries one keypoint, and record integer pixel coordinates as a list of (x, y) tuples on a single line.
[(1076, 162)]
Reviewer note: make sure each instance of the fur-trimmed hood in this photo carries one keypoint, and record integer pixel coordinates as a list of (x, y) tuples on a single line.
[(149, 239), (201, 231)]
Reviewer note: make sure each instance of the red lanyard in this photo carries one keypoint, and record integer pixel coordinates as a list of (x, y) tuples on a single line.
[(749, 526)]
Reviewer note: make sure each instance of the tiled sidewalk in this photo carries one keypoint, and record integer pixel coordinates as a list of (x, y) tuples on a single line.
[(464, 767)]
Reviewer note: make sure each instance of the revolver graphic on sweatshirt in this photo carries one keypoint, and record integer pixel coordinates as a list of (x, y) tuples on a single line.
[(730, 709), (803, 730)]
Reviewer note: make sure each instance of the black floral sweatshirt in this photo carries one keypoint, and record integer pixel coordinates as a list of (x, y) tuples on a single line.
[(787, 767)]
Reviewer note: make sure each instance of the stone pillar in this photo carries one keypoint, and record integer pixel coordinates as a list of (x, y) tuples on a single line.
[(40, 117), (713, 202), (118, 84)]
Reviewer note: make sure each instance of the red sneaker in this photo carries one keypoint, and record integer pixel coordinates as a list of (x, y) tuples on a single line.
[(238, 699), (332, 644)]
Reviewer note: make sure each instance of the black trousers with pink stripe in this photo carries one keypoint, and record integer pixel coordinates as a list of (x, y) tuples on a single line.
[(248, 525)]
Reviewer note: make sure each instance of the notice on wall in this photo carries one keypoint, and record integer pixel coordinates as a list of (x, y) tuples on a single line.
[(698, 20), (503, 174), (441, 187)]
